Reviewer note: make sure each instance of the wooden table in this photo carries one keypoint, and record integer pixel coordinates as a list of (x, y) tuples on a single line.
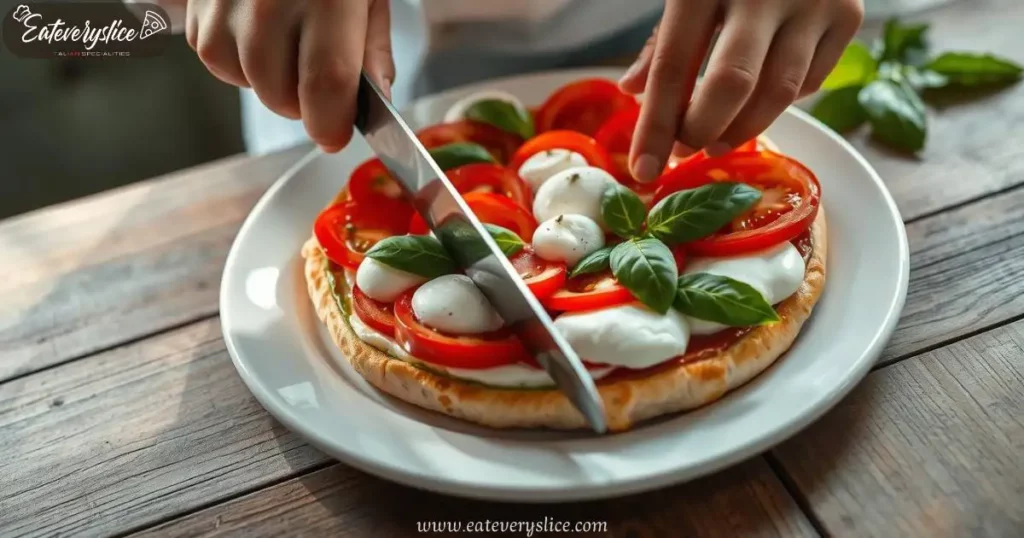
[(120, 411)]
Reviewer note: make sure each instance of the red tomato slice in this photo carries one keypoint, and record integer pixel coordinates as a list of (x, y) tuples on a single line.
[(673, 162), (586, 146), (493, 178), (346, 230), (582, 106), (492, 209), (616, 136), (380, 316), (541, 276), (789, 201), (502, 144), (589, 292), (472, 352), (371, 185)]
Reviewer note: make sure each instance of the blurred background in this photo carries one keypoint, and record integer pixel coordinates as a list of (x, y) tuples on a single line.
[(74, 127)]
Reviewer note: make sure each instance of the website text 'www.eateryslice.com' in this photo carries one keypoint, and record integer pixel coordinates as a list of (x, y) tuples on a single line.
[(527, 528)]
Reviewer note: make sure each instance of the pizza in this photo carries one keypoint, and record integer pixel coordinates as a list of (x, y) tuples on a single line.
[(673, 292)]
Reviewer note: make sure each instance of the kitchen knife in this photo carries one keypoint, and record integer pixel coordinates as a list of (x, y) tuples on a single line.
[(473, 248)]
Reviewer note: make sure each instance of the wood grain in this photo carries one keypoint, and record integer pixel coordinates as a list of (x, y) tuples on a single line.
[(746, 500), (90, 274), (132, 436), (966, 273), (931, 446), (969, 150)]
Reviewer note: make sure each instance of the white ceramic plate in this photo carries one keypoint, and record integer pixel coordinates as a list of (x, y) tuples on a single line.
[(287, 360)]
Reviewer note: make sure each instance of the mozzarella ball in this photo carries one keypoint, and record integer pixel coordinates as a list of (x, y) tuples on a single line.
[(576, 190), (382, 282), (541, 166), (453, 304), (567, 238)]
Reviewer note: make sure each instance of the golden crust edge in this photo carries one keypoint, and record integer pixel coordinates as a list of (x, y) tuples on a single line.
[(627, 401)]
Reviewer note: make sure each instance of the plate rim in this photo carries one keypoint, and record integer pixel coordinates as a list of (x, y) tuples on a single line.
[(562, 492)]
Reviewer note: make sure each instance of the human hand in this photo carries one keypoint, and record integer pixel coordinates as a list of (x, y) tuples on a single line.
[(302, 58), (769, 53)]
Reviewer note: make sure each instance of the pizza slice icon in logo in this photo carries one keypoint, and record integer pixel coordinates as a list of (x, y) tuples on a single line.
[(151, 24)]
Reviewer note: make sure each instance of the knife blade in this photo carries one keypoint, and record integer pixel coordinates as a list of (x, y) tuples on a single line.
[(475, 251)]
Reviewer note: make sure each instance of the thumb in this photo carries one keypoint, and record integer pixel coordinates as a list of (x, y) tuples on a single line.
[(377, 59)]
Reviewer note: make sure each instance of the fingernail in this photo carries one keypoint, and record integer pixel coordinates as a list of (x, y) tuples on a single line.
[(646, 168), (717, 149), (329, 149), (632, 71), (385, 87)]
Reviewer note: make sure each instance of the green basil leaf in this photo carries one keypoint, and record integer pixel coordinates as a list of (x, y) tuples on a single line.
[(595, 262), (722, 300), (503, 115), (855, 68), (457, 154), (904, 43), (622, 210), (966, 69), (507, 240), (840, 110), (648, 270), (896, 114), (418, 254), (695, 213), (924, 78)]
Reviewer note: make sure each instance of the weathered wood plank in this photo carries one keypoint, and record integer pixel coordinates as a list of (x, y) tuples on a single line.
[(102, 444), (746, 500), (135, 435), (969, 151), (89, 274), (967, 273), (930, 446)]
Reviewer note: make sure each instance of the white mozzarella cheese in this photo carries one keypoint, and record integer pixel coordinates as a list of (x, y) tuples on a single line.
[(458, 110), (567, 238), (575, 190), (382, 282), (631, 336), (775, 273), (453, 304), (541, 166)]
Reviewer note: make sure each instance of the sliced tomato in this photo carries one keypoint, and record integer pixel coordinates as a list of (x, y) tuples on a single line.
[(589, 292), (586, 146), (492, 209), (347, 229), (674, 162), (541, 276), (502, 144), (582, 106), (488, 350), (790, 197), (380, 316), (616, 137), (493, 178), (371, 185)]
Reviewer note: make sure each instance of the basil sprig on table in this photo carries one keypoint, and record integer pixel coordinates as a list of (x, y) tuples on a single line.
[(503, 115), (645, 265), (458, 154), (884, 85), (417, 254), (723, 300)]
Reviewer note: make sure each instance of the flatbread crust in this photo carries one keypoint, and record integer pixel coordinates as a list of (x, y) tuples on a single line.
[(627, 401)]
